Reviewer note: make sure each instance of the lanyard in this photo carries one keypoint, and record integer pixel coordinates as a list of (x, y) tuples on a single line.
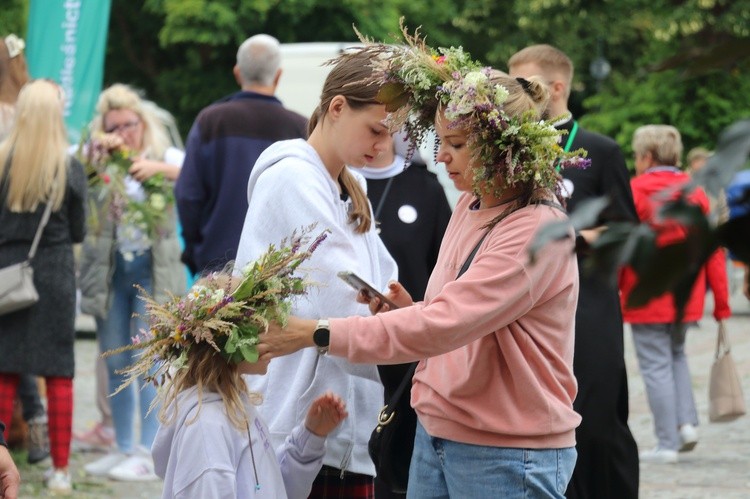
[(569, 143), (571, 136)]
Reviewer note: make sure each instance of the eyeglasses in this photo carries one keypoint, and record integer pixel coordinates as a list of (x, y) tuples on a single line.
[(123, 127)]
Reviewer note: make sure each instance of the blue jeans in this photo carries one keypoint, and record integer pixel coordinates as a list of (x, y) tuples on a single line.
[(446, 469), (124, 320)]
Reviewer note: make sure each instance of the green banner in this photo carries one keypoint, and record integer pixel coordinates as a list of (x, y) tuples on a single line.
[(65, 42)]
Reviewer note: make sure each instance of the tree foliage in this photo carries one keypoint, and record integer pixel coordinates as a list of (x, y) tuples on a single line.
[(681, 62), (13, 17)]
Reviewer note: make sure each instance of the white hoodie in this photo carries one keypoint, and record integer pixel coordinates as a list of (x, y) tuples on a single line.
[(208, 457), (289, 189)]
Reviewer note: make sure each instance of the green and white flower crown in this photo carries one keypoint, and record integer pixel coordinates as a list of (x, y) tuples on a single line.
[(417, 80)]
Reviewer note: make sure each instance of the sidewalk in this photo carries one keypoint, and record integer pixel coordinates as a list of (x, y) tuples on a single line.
[(720, 465)]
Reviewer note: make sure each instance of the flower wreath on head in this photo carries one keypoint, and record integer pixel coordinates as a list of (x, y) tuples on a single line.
[(416, 81), (226, 311)]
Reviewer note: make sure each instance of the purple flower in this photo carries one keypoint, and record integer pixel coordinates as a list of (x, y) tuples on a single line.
[(322, 237)]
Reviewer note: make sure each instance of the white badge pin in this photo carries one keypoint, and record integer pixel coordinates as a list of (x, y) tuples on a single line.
[(407, 214)]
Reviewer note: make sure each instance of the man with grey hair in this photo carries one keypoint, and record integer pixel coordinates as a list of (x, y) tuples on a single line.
[(223, 144)]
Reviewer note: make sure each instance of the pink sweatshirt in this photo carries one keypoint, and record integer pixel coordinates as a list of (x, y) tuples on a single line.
[(498, 341)]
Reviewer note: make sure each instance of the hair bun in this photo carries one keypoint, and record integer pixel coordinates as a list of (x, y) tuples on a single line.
[(536, 88)]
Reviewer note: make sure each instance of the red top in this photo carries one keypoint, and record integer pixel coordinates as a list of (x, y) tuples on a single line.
[(648, 194)]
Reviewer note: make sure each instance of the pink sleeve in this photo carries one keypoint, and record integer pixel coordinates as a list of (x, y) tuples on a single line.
[(498, 289)]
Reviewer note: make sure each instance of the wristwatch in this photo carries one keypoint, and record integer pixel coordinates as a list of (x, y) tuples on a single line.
[(322, 336)]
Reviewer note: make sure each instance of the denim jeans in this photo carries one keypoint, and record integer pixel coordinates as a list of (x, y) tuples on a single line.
[(124, 320), (446, 469)]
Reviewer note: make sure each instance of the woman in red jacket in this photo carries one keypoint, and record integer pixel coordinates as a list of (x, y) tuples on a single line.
[(659, 341)]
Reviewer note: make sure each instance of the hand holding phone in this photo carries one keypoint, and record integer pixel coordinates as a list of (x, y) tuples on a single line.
[(363, 286)]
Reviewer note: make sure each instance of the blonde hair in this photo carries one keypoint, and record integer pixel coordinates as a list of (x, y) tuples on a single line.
[(34, 154), (530, 94), (121, 96), (351, 77), (662, 141), (698, 153), (208, 370), (549, 59)]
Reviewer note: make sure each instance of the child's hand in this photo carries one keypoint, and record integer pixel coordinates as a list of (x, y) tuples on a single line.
[(325, 414)]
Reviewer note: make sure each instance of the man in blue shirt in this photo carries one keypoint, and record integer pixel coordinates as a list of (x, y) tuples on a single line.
[(222, 147)]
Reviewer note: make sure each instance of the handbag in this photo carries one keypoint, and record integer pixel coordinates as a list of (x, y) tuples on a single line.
[(726, 400), (17, 290), (392, 441)]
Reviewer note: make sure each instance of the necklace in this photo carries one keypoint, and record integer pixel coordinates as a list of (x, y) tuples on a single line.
[(381, 202), (252, 455)]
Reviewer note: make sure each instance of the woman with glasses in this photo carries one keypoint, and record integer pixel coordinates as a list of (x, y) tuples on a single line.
[(119, 255)]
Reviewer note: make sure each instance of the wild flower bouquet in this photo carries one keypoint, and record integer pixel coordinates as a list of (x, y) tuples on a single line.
[(228, 312), (108, 161)]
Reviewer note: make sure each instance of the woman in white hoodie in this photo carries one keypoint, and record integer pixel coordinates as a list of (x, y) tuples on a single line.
[(297, 183)]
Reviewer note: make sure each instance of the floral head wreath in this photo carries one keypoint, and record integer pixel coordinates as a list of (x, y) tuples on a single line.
[(416, 81), (225, 311)]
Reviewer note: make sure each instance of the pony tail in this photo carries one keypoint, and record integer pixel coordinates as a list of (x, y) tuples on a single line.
[(360, 213)]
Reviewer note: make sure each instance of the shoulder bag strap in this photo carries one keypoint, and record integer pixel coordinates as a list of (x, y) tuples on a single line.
[(400, 390), (40, 229), (473, 253), (45, 215)]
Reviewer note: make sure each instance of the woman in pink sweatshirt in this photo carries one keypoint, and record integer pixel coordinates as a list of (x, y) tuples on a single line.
[(494, 388)]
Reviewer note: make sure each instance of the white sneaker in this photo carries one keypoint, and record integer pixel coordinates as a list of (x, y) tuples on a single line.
[(103, 465), (689, 437), (137, 468), (659, 456), (58, 481)]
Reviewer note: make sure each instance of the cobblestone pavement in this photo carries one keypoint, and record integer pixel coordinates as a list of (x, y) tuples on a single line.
[(718, 467)]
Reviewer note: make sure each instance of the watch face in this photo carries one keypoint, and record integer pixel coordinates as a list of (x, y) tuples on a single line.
[(322, 337)]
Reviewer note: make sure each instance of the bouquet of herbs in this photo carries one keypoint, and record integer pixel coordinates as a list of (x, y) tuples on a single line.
[(226, 311), (107, 162)]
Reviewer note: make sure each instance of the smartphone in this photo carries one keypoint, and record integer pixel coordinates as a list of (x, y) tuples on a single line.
[(360, 284)]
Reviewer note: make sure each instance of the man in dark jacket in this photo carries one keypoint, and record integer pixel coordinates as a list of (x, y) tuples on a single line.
[(607, 465), (222, 147)]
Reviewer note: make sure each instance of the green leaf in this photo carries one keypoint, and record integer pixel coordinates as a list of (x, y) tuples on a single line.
[(393, 95), (662, 273), (585, 216), (730, 156), (249, 353), (734, 236), (606, 255)]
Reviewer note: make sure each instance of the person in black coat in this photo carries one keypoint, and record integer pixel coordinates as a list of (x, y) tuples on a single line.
[(412, 211), (36, 171), (607, 465)]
